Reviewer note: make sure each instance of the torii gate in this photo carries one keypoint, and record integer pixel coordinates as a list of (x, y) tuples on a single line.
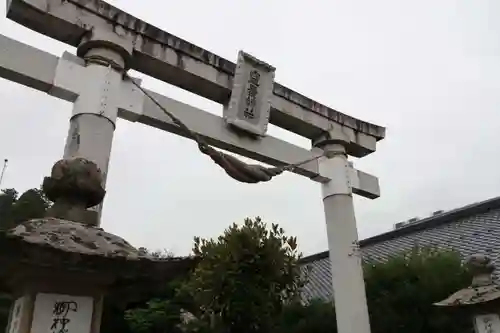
[(101, 95)]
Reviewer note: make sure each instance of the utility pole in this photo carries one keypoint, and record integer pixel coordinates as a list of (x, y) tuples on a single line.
[(5, 162)]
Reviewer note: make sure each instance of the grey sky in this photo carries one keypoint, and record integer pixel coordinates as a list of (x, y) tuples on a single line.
[(427, 70)]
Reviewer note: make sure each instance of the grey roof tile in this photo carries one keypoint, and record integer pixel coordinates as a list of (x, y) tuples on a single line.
[(469, 230)]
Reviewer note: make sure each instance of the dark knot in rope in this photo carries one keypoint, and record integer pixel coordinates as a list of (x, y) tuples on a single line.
[(239, 170)]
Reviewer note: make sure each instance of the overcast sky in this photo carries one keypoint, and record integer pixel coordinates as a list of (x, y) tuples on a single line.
[(427, 70)]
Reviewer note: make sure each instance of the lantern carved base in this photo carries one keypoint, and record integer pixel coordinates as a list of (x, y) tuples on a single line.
[(39, 312)]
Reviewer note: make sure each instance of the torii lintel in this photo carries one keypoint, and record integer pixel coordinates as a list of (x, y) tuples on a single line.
[(178, 62)]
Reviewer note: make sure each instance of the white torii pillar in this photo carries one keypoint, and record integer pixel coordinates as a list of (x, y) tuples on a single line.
[(349, 293), (98, 92)]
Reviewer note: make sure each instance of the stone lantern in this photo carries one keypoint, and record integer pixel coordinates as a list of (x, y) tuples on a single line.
[(481, 300), (59, 268)]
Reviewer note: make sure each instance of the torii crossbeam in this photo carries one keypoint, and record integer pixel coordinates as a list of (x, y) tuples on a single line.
[(100, 96)]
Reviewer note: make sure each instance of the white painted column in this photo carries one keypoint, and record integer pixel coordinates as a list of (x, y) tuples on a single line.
[(345, 257), (99, 93), (95, 109), (94, 117)]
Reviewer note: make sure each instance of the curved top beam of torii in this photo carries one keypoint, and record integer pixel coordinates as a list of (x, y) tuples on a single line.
[(48, 73), (178, 62)]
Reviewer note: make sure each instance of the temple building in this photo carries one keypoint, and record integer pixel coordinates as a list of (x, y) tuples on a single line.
[(471, 229)]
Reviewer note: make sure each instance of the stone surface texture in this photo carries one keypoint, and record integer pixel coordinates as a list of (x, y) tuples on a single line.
[(482, 290), (472, 296), (76, 237), (76, 181), (69, 240)]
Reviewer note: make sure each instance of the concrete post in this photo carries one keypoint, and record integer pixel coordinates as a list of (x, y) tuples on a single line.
[(95, 110), (92, 124), (345, 258)]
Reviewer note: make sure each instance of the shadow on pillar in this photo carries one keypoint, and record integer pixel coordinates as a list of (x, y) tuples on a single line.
[(481, 300), (59, 268)]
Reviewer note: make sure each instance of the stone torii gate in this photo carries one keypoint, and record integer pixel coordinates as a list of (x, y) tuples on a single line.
[(250, 97)]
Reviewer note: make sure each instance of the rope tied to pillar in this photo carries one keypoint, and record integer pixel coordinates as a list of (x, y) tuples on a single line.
[(235, 168)]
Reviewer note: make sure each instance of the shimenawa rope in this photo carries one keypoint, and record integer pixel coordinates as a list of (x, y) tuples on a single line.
[(236, 169)]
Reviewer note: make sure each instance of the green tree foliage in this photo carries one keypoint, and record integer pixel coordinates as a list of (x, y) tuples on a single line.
[(158, 315), (156, 311), (315, 317), (247, 281), (241, 283), (401, 292), (245, 277), (15, 209), (162, 314), (7, 199), (167, 310)]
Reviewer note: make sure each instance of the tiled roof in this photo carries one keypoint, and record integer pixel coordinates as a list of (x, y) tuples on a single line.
[(469, 230)]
